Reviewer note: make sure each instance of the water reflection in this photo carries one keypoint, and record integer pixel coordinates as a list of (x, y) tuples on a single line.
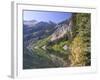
[(40, 58)]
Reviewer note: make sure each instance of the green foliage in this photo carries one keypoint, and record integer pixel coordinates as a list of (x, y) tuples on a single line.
[(80, 46), (59, 46), (42, 42)]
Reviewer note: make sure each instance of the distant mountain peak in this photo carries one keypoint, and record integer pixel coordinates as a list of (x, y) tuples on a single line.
[(30, 23), (30, 20)]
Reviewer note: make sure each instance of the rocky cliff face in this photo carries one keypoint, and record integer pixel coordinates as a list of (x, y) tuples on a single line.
[(62, 30)]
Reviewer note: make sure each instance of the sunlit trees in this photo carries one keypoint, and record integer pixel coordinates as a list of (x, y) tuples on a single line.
[(80, 46)]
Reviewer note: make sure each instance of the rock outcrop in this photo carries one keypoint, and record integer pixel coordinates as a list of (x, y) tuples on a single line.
[(61, 31)]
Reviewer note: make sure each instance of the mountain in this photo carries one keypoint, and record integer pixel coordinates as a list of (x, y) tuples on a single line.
[(30, 23), (34, 30), (59, 37), (46, 31), (45, 44), (64, 28)]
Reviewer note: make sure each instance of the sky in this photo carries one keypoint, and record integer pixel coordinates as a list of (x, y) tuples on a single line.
[(46, 16)]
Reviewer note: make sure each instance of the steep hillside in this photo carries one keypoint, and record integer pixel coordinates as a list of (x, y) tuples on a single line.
[(59, 39), (80, 45), (34, 31), (63, 29)]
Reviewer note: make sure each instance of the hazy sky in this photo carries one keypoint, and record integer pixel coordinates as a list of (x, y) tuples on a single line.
[(46, 16)]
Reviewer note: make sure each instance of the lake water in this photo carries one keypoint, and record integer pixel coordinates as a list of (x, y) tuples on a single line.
[(39, 58)]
